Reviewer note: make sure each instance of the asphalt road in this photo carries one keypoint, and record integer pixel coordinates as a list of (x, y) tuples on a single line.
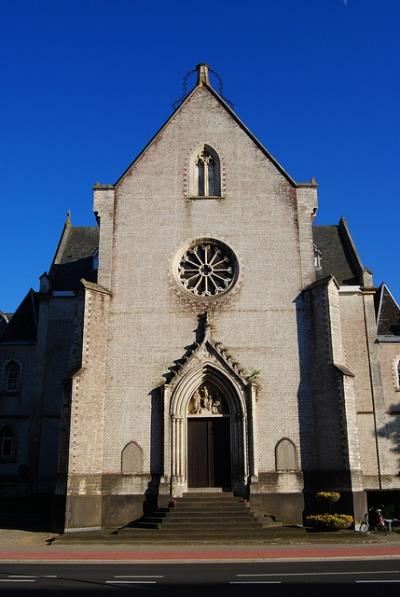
[(273, 578)]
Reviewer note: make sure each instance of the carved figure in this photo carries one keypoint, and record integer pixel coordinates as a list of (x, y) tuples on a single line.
[(216, 408), (206, 401), (196, 403), (202, 403)]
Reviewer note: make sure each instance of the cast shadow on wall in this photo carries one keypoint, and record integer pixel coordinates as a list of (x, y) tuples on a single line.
[(319, 379), (391, 431), (153, 501)]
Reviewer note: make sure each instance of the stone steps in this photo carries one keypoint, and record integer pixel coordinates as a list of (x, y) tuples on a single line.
[(199, 516), (194, 518)]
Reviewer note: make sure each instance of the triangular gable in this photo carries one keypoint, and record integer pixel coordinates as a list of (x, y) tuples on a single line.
[(388, 315), (233, 115), (23, 325)]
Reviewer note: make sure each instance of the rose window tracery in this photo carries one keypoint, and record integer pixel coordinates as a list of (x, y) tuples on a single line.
[(207, 269)]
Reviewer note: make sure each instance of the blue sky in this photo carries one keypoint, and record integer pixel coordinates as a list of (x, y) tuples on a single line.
[(84, 84)]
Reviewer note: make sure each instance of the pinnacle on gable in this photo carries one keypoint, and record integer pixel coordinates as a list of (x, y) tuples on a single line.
[(202, 74)]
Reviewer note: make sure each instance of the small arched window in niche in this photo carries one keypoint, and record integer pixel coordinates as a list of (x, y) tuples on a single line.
[(285, 455), (7, 443), (12, 376), (398, 374), (207, 175), (132, 458)]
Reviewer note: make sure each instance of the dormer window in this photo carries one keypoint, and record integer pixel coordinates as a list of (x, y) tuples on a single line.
[(207, 173)]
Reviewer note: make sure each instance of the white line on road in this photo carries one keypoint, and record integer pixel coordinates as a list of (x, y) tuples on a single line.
[(22, 576), (380, 581), (255, 582), (321, 573), (49, 576), (131, 582), (17, 579), (138, 576)]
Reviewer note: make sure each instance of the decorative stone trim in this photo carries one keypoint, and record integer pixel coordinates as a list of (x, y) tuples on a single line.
[(188, 177), (395, 373), (208, 362), (201, 304)]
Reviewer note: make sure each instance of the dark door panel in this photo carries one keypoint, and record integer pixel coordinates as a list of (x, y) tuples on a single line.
[(220, 460), (209, 452), (198, 453)]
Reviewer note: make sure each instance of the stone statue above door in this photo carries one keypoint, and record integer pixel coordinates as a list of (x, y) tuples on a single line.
[(207, 401)]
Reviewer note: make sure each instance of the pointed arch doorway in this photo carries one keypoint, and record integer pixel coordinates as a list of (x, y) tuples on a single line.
[(220, 449), (208, 439)]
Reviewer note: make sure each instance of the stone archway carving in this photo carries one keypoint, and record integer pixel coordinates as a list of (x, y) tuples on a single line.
[(209, 363)]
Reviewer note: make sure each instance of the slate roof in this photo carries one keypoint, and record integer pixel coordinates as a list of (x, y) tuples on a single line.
[(74, 257), (338, 255), (3, 321), (388, 313), (23, 325)]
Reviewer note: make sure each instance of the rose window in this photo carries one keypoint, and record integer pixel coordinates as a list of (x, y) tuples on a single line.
[(207, 269)]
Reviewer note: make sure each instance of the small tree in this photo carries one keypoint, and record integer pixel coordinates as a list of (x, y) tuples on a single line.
[(328, 497), (330, 521)]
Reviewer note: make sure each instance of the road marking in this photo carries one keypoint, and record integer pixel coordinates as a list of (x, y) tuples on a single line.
[(131, 582), (255, 582), (22, 576), (381, 580), (49, 576), (320, 573), (17, 579), (138, 576)]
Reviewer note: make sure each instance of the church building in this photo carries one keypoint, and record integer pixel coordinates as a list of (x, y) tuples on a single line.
[(203, 335)]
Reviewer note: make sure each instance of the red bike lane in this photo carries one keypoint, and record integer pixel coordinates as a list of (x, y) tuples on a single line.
[(204, 555)]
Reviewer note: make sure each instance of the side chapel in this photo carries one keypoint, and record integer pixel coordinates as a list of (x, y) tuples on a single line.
[(203, 334)]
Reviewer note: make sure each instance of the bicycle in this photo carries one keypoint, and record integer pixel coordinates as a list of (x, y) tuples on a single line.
[(380, 525)]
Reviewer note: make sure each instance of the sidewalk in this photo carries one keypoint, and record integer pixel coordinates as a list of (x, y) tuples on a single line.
[(23, 546)]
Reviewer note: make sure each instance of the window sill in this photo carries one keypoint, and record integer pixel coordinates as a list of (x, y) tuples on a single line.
[(201, 198)]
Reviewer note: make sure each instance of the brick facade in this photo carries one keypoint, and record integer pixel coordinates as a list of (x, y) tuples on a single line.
[(293, 353)]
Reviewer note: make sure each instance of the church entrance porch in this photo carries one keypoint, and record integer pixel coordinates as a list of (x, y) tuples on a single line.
[(208, 424), (207, 428), (209, 460)]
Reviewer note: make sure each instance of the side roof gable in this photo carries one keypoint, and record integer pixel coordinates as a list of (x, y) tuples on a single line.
[(204, 83), (73, 259), (388, 313), (339, 256), (23, 324)]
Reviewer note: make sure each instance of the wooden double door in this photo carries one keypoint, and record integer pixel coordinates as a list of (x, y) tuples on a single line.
[(209, 459)]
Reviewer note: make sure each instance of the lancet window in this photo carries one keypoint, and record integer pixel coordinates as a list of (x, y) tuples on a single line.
[(207, 173), (12, 373), (7, 443)]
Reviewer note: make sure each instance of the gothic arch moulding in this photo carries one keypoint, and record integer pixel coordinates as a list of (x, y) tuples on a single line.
[(208, 364), (285, 455), (132, 458), (207, 160), (11, 376)]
